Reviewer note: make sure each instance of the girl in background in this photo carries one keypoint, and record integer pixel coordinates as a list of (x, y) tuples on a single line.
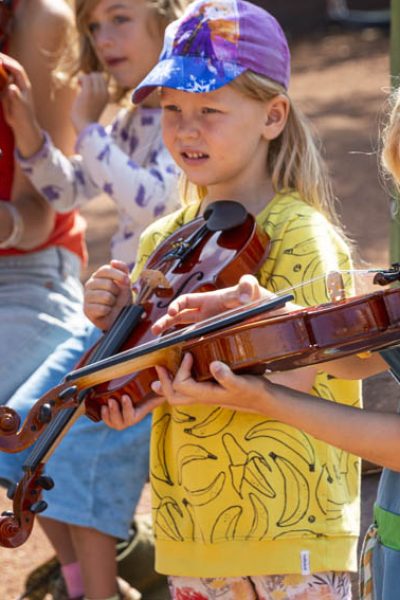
[(237, 512)]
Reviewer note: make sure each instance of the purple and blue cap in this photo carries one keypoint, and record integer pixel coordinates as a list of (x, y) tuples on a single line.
[(213, 43)]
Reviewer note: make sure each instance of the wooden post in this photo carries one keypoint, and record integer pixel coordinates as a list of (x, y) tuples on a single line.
[(395, 74)]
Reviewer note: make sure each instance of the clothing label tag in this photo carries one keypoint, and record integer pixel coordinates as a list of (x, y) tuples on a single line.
[(305, 562)]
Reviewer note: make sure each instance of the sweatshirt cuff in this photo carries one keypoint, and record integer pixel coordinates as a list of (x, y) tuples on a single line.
[(27, 162), (86, 132)]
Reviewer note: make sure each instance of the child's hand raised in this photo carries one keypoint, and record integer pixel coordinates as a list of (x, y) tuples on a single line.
[(18, 107), (192, 308), (107, 292), (91, 100)]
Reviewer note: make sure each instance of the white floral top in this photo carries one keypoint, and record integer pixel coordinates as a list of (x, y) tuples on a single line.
[(127, 160)]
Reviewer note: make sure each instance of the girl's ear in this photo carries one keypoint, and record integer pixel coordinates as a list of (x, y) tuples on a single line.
[(276, 115)]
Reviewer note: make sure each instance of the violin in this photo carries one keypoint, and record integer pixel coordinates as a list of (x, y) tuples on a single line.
[(210, 252), (248, 342)]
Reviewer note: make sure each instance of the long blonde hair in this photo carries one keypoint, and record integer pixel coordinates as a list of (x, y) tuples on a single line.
[(294, 161), (390, 154)]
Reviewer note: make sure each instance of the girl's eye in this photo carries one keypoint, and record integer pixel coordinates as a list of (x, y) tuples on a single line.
[(119, 19), (92, 28), (170, 107), (209, 111)]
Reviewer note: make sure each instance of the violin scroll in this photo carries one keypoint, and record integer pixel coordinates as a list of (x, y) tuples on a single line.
[(9, 421), (15, 527)]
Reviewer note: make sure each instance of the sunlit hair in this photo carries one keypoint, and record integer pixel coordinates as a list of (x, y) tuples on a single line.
[(294, 161), (390, 155), (85, 59)]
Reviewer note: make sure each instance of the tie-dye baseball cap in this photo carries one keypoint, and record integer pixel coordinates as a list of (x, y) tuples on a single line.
[(213, 43)]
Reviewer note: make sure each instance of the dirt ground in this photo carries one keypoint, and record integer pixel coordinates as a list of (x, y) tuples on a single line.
[(341, 81)]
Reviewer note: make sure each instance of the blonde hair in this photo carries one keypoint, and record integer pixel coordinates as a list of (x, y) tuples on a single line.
[(85, 58), (294, 161), (390, 154)]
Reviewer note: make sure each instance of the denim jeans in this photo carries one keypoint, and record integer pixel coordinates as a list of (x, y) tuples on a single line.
[(40, 305), (99, 473)]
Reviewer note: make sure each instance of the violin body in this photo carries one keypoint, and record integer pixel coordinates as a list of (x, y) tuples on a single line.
[(304, 337), (235, 251)]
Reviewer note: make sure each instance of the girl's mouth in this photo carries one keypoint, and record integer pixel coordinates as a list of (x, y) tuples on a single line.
[(193, 156), (113, 62)]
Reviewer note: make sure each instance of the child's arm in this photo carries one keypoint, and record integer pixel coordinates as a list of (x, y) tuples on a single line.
[(192, 308), (90, 102), (48, 28), (372, 435)]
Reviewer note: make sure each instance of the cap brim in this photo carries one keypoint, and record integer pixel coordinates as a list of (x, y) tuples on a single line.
[(188, 74)]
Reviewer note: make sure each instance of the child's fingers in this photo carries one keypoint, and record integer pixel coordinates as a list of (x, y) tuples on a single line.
[(17, 71), (167, 321), (225, 376), (118, 416), (120, 266), (249, 289)]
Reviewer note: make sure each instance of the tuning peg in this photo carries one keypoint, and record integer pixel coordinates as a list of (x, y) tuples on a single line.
[(68, 392), (38, 507), (12, 488), (45, 413), (45, 482)]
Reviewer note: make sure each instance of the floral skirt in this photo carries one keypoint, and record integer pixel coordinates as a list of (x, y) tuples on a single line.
[(320, 586)]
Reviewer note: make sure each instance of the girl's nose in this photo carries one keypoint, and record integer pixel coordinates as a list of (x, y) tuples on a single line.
[(103, 38), (188, 128)]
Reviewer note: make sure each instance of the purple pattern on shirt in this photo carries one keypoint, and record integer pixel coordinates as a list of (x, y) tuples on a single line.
[(105, 154), (101, 131), (133, 142), (108, 188), (51, 192), (153, 156), (158, 210), (140, 198), (132, 164), (114, 127), (26, 169), (80, 176), (147, 120), (157, 174), (124, 133)]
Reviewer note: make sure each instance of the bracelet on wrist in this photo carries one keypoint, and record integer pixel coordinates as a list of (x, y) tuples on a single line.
[(17, 227)]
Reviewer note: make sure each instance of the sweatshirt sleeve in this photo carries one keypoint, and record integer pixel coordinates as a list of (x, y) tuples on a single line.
[(63, 181), (141, 192)]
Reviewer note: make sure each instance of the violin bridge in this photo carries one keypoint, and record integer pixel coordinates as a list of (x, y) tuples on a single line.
[(155, 279), (335, 286)]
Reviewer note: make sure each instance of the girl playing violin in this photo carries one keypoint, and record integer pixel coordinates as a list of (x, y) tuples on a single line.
[(380, 561), (237, 513)]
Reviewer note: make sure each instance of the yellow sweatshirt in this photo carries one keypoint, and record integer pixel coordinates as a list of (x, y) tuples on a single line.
[(237, 494)]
